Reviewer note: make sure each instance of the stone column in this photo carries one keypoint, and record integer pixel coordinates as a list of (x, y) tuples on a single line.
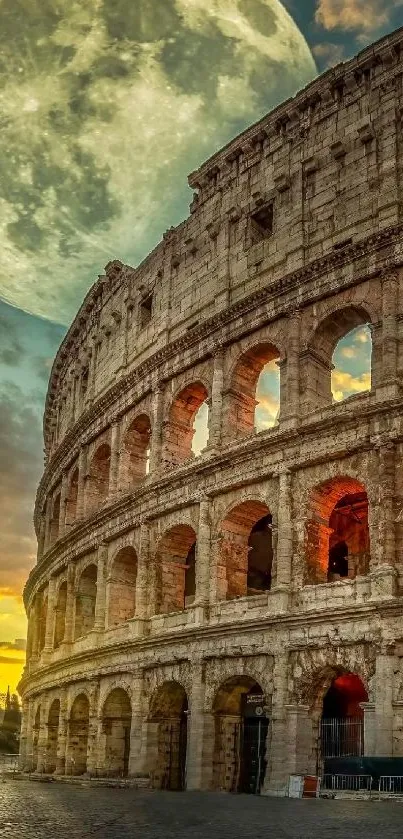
[(156, 428), (298, 740), (215, 419), (196, 740), (70, 598), (41, 538), (82, 474), (389, 327), (369, 728), (23, 752), (50, 616), (381, 496), (276, 780), (291, 410), (284, 533), (143, 576), (114, 464), (384, 682), (62, 736), (35, 626), (43, 736), (100, 603), (203, 552), (63, 499), (93, 732), (136, 761)]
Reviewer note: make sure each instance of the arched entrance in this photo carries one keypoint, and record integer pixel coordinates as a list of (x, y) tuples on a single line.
[(53, 732), (342, 720), (116, 724), (168, 736), (175, 569), (121, 587), (78, 736), (337, 532), (245, 551), (240, 736), (136, 453), (85, 601)]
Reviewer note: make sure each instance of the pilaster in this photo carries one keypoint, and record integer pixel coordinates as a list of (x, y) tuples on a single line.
[(100, 603)]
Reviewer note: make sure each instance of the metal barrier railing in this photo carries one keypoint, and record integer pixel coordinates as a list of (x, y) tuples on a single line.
[(347, 783), (391, 784)]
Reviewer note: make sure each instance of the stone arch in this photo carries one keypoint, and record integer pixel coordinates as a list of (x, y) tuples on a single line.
[(135, 455), (316, 363), (167, 736), (175, 565), (116, 725), (53, 733), (98, 478), (240, 399), (337, 534), (78, 729), (311, 671), (60, 614), (241, 728), (71, 500), (85, 601), (244, 550), (121, 586), (179, 426), (55, 518)]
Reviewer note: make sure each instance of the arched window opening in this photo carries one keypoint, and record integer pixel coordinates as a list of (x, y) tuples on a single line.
[(121, 587), (337, 533), (98, 478), (241, 725), (337, 361), (245, 551), (167, 737), (342, 721), (85, 601), (351, 363), (43, 613), (184, 434), (116, 724), (71, 501), (253, 399), (136, 453), (53, 732), (60, 615), (76, 758), (54, 522), (175, 564)]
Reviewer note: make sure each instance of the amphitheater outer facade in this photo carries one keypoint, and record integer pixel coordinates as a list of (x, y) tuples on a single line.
[(294, 238)]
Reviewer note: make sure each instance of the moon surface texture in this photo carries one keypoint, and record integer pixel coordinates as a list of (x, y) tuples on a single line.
[(104, 109)]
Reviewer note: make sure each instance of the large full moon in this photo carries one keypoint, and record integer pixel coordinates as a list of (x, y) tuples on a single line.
[(105, 107)]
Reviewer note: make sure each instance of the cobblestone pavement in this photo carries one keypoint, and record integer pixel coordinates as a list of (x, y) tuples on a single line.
[(32, 810)]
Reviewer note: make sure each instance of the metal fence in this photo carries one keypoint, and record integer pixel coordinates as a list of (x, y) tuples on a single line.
[(391, 784), (347, 783), (342, 737)]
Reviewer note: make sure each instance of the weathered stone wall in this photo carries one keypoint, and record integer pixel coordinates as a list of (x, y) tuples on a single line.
[(295, 237)]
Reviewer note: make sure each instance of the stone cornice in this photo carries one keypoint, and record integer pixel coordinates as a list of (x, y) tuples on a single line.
[(289, 282), (206, 632), (236, 454)]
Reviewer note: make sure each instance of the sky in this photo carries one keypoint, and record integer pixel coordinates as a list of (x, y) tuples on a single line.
[(105, 107)]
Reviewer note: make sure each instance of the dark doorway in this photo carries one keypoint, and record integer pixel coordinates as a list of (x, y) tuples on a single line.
[(342, 723)]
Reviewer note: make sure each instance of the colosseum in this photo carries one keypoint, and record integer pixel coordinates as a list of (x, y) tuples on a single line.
[(223, 615)]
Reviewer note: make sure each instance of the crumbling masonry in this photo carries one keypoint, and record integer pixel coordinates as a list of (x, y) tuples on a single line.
[(180, 601)]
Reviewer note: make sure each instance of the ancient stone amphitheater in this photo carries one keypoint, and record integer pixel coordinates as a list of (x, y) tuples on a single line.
[(225, 617)]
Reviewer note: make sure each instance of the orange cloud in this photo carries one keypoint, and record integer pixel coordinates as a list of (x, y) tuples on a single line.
[(348, 352), (344, 384), (368, 15)]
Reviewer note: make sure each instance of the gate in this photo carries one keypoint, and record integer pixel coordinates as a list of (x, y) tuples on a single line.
[(253, 754), (342, 737), (172, 751)]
